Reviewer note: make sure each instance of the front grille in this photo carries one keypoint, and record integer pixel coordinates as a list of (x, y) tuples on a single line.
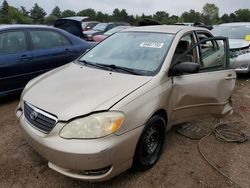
[(39, 119)]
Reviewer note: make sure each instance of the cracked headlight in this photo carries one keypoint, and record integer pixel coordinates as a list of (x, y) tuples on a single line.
[(93, 126)]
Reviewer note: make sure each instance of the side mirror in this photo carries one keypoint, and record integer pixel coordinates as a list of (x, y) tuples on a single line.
[(185, 67)]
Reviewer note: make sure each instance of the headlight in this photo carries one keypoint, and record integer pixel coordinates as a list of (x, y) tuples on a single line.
[(89, 36), (93, 126)]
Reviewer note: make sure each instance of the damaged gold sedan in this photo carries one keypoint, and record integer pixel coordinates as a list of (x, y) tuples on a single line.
[(108, 111)]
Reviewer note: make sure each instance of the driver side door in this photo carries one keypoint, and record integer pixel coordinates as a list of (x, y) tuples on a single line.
[(209, 90)]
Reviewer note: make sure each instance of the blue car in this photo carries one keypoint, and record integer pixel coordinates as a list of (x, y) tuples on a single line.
[(27, 51)]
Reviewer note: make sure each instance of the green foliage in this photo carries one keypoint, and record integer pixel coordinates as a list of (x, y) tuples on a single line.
[(68, 13), (24, 11), (209, 15), (88, 12), (161, 16), (9, 14), (16, 16), (242, 15), (56, 12), (101, 17), (191, 16), (37, 14), (4, 13), (49, 20)]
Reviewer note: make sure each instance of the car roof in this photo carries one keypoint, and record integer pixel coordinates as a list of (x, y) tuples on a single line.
[(16, 26), (172, 29), (235, 24), (76, 18)]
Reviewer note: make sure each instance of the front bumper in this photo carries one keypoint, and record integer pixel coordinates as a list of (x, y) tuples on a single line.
[(74, 157)]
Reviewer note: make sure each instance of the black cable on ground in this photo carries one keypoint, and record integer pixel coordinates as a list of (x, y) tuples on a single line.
[(225, 132)]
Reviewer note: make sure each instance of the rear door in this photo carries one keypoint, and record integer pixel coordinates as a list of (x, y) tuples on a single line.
[(15, 57), (206, 92), (50, 49)]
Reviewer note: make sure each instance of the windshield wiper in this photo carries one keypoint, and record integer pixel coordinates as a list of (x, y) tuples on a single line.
[(93, 64), (114, 67)]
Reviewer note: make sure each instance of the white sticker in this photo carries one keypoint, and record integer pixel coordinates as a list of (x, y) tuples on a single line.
[(151, 45)]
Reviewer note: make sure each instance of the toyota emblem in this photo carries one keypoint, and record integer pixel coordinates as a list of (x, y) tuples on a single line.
[(33, 115)]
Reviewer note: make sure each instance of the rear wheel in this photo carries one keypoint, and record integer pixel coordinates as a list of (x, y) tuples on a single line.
[(150, 144)]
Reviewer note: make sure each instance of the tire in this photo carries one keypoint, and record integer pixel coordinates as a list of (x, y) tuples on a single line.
[(149, 146)]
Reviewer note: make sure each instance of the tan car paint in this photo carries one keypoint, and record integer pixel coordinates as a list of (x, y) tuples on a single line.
[(138, 97), (105, 87)]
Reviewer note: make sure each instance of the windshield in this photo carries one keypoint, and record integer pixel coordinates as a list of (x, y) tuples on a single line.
[(232, 32), (100, 27), (140, 51)]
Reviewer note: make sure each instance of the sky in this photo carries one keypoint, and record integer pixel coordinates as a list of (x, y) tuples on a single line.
[(134, 7)]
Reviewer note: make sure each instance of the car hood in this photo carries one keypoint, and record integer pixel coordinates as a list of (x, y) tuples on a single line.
[(238, 43), (74, 90)]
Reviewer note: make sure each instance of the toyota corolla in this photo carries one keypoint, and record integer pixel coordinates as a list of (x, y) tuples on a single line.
[(109, 110)]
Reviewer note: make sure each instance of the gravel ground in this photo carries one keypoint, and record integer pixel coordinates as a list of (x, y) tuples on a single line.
[(179, 166)]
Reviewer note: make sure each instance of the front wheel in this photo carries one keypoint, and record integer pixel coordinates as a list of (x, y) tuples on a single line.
[(150, 144)]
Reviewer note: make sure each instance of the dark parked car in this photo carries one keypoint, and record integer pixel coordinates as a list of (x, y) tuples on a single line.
[(101, 28), (27, 51), (75, 25)]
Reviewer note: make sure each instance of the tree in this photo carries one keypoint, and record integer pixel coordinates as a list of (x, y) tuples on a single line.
[(37, 14), (173, 19), (232, 17), (225, 18), (5, 13), (101, 17), (119, 15), (5, 8), (242, 15), (24, 11), (49, 20), (88, 12), (210, 13), (191, 16), (161, 16), (68, 13), (56, 12)]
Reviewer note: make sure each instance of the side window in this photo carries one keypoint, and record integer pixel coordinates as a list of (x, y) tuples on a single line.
[(184, 44), (213, 55), (12, 42), (44, 39)]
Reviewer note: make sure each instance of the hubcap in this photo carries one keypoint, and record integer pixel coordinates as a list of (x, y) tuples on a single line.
[(151, 142)]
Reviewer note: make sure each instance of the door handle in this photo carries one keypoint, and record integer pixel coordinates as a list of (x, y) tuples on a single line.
[(68, 50), (230, 77), (218, 58), (24, 58)]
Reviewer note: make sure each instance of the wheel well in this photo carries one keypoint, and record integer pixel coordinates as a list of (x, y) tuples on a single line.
[(163, 113)]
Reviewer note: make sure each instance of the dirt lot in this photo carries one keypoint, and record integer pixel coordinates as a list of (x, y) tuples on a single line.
[(179, 166)]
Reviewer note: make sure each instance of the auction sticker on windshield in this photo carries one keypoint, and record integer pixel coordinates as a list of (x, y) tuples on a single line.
[(151, 45)]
